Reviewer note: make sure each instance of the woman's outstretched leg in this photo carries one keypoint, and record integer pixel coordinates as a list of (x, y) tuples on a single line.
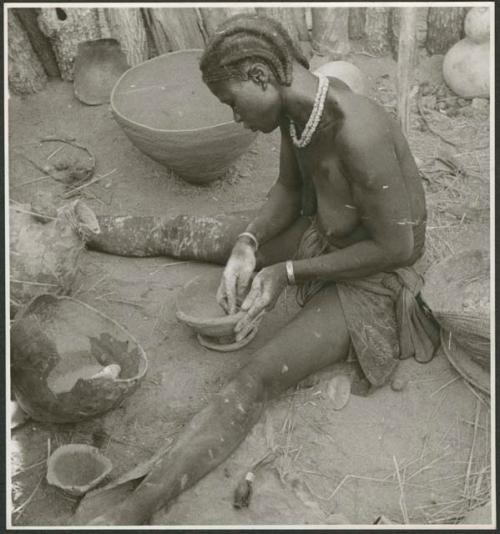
[(315, 338)]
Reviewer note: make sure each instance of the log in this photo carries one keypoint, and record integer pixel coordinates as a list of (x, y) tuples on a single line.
[(213, 16), (26, 73), (329, 31), (41, 45), (126, 25), (377, 22), (66, 28), (406, 64), (174, 28), (445, 27), (421, 28), (292, 19)]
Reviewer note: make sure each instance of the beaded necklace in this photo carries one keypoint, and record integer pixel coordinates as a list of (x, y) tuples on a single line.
[(314, 118)]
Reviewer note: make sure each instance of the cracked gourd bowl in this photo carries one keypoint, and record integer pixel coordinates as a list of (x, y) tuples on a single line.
[(70, 362), (169, 114), (198, 308)]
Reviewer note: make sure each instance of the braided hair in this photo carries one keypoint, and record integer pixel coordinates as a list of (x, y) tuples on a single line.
[(246, 37)]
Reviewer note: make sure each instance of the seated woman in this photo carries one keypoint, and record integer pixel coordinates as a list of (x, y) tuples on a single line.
[(345, 221)]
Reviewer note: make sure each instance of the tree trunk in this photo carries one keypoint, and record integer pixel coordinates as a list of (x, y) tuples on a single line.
[(26, 73), (126, 26), (406, 64), (329, 31), (174, 28), (66, 28), (41, 45), (444, 28), (213, 16), (377, 24)]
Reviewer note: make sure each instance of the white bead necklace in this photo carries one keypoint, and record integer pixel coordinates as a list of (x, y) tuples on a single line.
[(314, 118)]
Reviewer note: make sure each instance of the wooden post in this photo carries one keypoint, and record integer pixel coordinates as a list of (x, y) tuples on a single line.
[(127, 27), (40, 43), (421, 28), (174, 28), (26, 73), (406, 63), (377, 22), (329, 31), (213, 16), (445, 27)]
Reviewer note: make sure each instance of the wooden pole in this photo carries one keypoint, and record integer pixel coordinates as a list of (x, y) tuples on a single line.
[(406, 64)]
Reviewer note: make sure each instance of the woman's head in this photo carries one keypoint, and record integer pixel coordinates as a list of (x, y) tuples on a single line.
[(247, 61)]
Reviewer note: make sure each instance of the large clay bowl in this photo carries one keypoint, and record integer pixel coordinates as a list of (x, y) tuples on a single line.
[(168, 113), (70, 362)]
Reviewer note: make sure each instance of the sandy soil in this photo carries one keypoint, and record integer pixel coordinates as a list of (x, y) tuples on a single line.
[(401, 454)]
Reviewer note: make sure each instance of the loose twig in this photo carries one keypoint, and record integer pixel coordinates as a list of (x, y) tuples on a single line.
[(20, 509), (402, 501)]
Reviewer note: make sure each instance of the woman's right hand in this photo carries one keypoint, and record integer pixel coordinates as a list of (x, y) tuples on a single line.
[(237, 276)]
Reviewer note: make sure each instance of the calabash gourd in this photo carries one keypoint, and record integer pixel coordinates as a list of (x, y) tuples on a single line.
[(466, 66)]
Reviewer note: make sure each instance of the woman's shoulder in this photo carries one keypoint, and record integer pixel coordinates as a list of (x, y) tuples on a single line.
[(365, 122)]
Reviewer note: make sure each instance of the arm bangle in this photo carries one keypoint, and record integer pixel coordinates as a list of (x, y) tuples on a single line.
[(289, 272), (252, 238)]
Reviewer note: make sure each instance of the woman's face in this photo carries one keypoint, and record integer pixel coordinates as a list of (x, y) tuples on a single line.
[(257, 107)]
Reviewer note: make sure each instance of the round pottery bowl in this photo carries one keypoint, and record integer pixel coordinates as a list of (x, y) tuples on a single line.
[(168, 113), (70, 362), (197, 307), (77, 468)]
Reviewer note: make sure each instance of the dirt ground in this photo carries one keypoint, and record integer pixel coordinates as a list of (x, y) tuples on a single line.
[(407, 455)]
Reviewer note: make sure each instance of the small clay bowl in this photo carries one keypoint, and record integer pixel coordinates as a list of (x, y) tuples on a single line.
[(77, 468), (198, 308)]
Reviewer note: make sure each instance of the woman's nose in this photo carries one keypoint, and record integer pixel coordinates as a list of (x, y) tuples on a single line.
[(237, 117)]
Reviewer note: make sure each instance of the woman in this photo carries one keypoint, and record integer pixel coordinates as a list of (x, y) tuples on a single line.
[(345, 221)]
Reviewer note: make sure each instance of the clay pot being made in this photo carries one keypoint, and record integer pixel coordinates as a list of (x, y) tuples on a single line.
[(169, 114), (198, 308)]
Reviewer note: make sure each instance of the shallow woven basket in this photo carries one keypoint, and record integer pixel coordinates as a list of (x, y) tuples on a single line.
[(152, 101), (447, 290)]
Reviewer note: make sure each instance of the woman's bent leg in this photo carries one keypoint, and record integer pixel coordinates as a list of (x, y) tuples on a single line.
[(315, 338)]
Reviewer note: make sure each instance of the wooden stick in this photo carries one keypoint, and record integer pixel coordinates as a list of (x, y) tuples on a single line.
[(406, 64)]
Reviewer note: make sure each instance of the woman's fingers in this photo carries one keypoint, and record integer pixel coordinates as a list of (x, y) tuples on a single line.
[(242, 283), (221, 296), (247, 325)]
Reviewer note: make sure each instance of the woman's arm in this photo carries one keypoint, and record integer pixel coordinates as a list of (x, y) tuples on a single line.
[(283, 204), (380, 196)]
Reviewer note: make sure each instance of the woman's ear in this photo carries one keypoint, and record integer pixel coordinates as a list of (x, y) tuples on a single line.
[(259, 73)]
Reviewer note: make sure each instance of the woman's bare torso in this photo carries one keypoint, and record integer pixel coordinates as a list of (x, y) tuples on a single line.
[(338, 214)]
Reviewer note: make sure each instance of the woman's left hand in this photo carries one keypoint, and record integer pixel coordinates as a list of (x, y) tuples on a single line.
[(267, 286)]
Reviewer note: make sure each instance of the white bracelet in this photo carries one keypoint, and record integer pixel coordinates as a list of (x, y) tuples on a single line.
[(289, 272), (252, 238)]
